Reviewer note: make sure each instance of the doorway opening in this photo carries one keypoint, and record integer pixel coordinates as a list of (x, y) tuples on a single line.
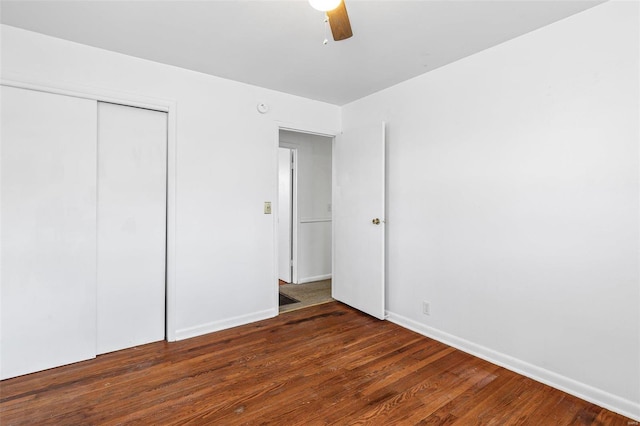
[(304, 224)]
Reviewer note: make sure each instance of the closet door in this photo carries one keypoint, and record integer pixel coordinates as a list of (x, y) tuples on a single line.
[(47, 231), (131, 226)]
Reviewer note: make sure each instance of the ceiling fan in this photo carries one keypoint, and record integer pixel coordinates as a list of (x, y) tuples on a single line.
[(338, 18)]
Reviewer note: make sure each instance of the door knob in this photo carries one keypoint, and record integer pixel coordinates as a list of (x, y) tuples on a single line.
[(376, 221)]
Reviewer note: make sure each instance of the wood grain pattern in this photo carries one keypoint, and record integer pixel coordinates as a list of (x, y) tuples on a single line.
[(328, 364), (339, 22)]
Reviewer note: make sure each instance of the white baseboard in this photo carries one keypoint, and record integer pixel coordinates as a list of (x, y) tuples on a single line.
[(210, 327), (596, 396), (313, 279)]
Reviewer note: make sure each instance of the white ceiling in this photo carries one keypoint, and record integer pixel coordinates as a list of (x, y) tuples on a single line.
[(278, 44)]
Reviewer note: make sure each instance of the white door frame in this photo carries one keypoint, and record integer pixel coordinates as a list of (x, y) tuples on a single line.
[(163, 105), (293, 243), (311, 131)]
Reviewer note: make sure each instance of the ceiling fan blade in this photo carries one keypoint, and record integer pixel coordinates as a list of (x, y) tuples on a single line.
[(339, 22)]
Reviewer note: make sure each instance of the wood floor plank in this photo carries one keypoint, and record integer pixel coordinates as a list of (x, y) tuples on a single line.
[(327, 364), (339, 388), (425, 395)]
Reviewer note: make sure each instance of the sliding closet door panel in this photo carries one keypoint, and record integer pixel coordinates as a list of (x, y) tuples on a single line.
[(131, 226), (48, 231)]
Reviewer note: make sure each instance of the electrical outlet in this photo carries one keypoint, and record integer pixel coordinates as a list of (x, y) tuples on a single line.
[(426, 308), (267, 207)]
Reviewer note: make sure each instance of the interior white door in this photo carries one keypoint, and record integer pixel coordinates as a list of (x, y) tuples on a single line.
[(132, 164), (48, 231), (285, 188), (359, 219)]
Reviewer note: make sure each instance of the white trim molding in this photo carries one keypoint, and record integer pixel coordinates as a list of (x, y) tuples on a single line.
[(596, 396), (199, 330), (85, 92), (315, 219), (311, 130), (314, 279)]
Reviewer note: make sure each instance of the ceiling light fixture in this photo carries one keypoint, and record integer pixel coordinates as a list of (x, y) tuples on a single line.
[(336, 16), (324, 5)]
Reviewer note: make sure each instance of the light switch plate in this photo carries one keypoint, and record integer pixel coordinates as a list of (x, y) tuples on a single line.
[(267, 207)]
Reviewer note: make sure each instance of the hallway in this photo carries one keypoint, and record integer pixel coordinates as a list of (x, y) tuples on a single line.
[(309, 294)]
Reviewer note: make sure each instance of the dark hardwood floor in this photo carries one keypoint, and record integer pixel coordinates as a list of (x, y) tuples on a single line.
[(326, 364)]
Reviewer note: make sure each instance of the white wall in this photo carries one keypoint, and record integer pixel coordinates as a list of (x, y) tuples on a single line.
[(513, 203), (314, 204), (226, 168)]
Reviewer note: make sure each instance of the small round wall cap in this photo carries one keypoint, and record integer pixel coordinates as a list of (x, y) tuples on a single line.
[(262, 108)]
